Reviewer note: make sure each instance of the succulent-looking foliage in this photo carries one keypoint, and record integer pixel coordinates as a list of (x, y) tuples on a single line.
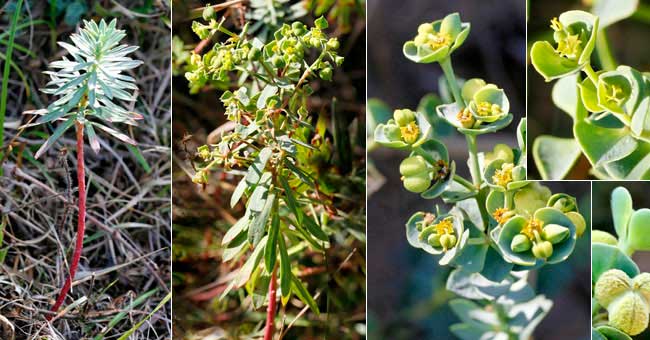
[(91, 84), (610, 108), (501, 226), (284, 154), (619, 287)]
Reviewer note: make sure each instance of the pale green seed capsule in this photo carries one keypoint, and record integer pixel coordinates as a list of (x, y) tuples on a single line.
[(520, 243), (417, 183), (447, 241), (403, 117), (629, 313), (543, 250), (434, 240), (610, 285), (412, 166), (555, 233)]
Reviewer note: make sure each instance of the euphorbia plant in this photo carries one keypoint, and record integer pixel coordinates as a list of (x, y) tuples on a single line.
[(621, 293), (609, 107), (92, 87), (278, 146), (500, 225)]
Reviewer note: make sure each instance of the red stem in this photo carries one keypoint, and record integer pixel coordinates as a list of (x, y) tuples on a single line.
[(81, 220), (270, 312)]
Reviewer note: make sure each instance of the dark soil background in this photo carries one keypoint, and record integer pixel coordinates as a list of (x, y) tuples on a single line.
[(406, 295)]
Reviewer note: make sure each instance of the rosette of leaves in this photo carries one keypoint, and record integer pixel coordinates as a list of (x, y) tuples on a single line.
[(91, 88), (609, 108), (437, 40), (574, 33), (284, 154)]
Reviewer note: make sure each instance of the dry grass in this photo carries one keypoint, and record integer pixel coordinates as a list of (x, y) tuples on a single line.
[(127, 243)]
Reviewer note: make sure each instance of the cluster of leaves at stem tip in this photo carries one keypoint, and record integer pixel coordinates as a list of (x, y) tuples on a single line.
[(610, 108), (91, 85), (500, 226), (275, 145), (621, 293)]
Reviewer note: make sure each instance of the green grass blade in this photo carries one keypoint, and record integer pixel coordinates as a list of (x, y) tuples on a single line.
[(126, 335), (7, 68), (121, 315)]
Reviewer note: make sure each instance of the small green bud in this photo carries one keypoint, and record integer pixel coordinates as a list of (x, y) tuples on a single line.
[(338, 60), (518, 173), (555, 233), (520, 243), (208, 12), (434, 240), (298, 28), (254, 54), (326, 73), (610, 285), (417, 183), (413, 165), (403, 117), (333, 44), (278, 61), (578, 221), (447, 241), (425, 28), (543, 250), (599, 236)]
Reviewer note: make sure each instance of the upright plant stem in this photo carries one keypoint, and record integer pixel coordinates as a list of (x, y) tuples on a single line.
[(270, 311), (475, 169), (448, 70), (81, 220)]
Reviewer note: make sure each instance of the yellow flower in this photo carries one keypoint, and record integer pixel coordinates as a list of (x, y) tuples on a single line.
[(533, 227), (502, 215), (488, 109), (445, 227), (465, 118), (410, 132), (503, 176), (435, 40)]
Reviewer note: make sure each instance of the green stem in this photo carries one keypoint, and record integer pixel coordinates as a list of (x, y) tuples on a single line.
[(475, 169), (448, 70), (507, 202), (465, 183), (605, 56), (591, 74)]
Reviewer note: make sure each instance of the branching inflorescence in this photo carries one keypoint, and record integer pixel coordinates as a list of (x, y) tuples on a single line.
[(609, 107), (501, 226), (283, 151), (90, 85)]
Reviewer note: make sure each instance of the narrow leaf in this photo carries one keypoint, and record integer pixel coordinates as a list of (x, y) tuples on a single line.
[(55, 135), (270, 251), (302, 293), (285, 269)]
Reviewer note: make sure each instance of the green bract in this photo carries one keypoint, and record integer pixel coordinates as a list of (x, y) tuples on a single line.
[(437, 235), (551, 233), (489, 104), (437, 40), (575, 38), (503, 176), (458, 118), (414, 131)]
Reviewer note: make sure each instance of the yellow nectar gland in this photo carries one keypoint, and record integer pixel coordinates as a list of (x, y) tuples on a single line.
[(570, 46), (556, 25), (503, 176), (465, 118), (488, 109), (445, 227), (434, 40), (533, 226), (410, 132), (501, 215), (614, 94)]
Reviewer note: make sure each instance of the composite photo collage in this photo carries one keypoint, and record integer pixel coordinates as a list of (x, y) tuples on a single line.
[(324, 170)]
